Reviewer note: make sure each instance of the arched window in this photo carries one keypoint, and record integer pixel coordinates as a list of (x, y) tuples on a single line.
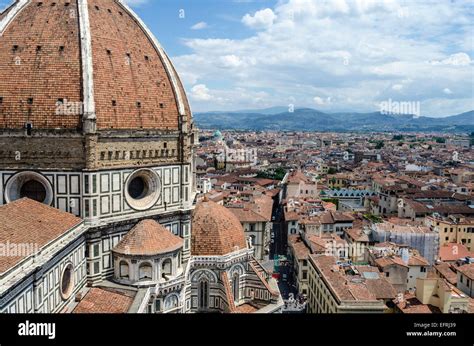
[(203, 294), (145, 271), (166, 267), (236, 286), (124, 272), (171, 302)]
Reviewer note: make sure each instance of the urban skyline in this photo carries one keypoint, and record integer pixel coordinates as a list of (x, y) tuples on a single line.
[(330, 192), (330, 55)]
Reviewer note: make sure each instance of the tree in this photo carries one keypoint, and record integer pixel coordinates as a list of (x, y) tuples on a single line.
[(373, 218), (332, 200), (277, 174)]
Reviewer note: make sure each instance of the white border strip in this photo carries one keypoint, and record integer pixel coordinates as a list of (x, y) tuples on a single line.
[(87, 67), (167, 62), (12, 14)]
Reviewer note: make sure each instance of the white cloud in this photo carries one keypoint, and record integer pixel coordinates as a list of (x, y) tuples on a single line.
[(199, 26), (447, 91), (458, 59), (397, 87), (322, 102), (231, 61), (261, 19), (200, 92), (358, 52)]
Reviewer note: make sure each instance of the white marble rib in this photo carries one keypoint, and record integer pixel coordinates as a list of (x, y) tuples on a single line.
[(17, 7), (89, 116)]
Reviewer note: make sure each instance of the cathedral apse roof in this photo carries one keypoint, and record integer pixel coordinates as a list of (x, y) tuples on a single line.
[(216, 231), (148, 238)]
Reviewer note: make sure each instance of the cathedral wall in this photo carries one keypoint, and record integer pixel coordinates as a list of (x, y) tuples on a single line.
[(101, 195), (41, 292), (132, 148), (41, 151)]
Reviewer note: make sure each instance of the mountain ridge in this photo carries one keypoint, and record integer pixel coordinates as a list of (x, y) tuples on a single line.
[(308, 119)]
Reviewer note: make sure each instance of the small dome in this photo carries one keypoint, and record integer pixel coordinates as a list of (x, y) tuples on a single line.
[(216, 231), (148, 238)]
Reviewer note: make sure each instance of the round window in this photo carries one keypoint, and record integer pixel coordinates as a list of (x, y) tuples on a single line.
[(142, 189), (33, 189), (137, 189), (67, 281), (30, 185)]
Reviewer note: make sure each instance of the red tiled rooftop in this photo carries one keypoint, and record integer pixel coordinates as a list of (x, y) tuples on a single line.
[(411, 305), (444, 270), (467, 270), (101, 301), (452, 252), (29, 222), (148, 237), (300, 249), (216, 230), (245, 309), (341, 285)]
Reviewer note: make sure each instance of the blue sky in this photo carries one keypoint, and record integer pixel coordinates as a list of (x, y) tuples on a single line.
[(332, 55)]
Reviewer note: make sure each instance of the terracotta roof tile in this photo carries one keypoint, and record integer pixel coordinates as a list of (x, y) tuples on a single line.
[(383, 262), (342, 285), (101, 301), (246, 215), (300, 249), (411, 305), (453, 252), (148, 237), (216, 231), (446, 271), (29, 222), (467, 270), (245, 309)]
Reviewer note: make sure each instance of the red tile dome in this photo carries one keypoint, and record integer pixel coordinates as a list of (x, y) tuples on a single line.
[(216, 231), (148, 238), (95, 57)]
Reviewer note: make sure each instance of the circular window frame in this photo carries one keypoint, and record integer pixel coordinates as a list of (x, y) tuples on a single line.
[(16, 182), (153, 185), (66, 295)]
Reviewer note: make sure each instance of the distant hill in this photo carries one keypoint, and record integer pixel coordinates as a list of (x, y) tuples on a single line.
[(307, 119)]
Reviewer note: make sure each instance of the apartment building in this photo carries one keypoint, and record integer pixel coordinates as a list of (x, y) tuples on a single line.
[(335, 289)]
